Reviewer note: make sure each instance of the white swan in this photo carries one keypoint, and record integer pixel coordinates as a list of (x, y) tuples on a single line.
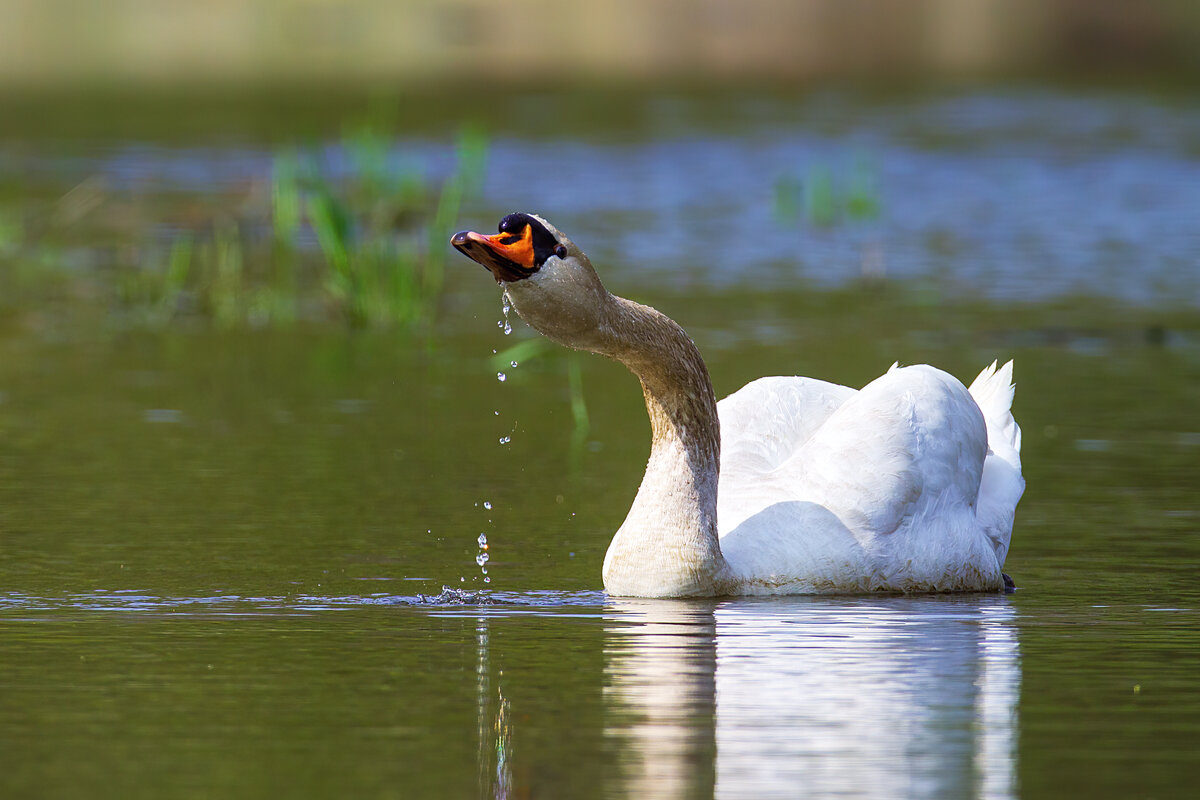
[(907, 485)]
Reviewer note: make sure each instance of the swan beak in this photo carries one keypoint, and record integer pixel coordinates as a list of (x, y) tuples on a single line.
[(508, 256)]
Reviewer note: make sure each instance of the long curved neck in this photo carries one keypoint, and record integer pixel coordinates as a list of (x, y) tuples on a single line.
[(668, 544)]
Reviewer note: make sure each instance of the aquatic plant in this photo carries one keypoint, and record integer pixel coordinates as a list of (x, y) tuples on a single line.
[(360, 239), (824, 199), (174, 278), (378, 273)]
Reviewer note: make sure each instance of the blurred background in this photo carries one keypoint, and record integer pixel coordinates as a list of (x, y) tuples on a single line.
[(249, 394), (539, 43)]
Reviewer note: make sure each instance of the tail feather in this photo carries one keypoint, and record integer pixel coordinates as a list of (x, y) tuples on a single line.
[(1002, 485), (993, 392)]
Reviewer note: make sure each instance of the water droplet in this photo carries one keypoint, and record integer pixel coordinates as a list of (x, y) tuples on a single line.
[(487, 504), (482, 540), (499, 324), (513, 364), (497, 413), (482, 559), (500, 376), (505, 307), (505, 439), (487, 579)]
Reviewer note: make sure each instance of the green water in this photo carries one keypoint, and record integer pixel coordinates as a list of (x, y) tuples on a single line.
[(214, 541), (211, 541)]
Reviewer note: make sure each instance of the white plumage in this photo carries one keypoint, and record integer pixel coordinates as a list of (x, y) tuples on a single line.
[(826, 489), (789, 485)]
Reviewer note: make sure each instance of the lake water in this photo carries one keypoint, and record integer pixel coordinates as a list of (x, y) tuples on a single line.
[(223, 552)]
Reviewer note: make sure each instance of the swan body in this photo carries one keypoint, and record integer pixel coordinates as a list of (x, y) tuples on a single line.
[(790, 485)]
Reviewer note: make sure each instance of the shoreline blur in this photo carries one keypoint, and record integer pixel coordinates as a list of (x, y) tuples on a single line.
[(540, 43)]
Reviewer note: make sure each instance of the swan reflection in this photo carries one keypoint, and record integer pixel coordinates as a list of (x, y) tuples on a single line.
[(805, 697)]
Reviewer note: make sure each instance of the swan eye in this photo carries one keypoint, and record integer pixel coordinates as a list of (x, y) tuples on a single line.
[(560, 251)]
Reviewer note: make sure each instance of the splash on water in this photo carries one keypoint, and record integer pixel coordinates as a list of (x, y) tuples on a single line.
[(456, 597)]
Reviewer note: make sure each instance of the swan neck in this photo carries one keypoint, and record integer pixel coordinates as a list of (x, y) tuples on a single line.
[(668, 544)]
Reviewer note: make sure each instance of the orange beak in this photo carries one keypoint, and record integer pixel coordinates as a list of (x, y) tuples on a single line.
[(509, 256)]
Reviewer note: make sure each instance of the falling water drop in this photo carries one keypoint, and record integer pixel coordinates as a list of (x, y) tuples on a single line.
[(482, 559), (500, 376), (505, 307), (488, 505), (505, 439), (513, 364), (482, 540)]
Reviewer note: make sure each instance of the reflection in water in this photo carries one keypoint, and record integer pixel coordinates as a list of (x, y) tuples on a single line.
[(803, 697), (495, 726), (661, 664)]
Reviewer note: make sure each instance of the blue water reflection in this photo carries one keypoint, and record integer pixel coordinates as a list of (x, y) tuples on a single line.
[(1025, 195)]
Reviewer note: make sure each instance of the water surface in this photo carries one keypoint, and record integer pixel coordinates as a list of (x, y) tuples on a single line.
[(218, 548)]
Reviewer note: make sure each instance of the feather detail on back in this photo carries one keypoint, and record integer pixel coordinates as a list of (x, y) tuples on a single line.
[(889, 487)]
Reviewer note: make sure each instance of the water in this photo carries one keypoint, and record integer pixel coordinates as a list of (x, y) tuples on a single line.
[(1017, 194), (241, 562)]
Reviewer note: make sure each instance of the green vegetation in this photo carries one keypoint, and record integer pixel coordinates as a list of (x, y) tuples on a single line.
[(360, 239), (822, 199)]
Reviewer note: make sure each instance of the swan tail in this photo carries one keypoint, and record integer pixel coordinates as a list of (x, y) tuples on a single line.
[(1002, 484), (993, 392)]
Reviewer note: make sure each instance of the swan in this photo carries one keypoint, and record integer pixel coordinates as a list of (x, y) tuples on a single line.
[(909, 484)]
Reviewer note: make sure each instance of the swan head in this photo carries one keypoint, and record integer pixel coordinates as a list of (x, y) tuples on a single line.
[(549, 280)]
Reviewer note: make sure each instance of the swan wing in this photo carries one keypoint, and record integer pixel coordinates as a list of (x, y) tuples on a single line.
[(910, 441), (873, 457), (881, 494), (763, 425)]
